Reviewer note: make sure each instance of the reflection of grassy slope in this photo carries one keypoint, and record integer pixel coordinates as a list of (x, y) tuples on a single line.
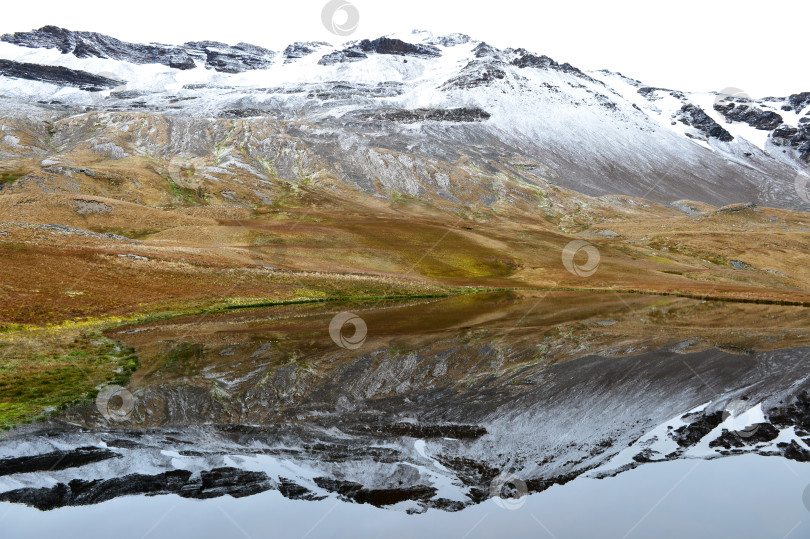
[(46, 369)]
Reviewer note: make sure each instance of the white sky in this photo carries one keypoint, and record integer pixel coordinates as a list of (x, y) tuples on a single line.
[(692, 45)]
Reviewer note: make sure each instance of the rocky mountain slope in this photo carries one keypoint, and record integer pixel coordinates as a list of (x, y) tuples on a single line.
[(447, 118)]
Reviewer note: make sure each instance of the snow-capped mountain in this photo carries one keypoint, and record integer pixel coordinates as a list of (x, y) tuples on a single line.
[(385, 114)]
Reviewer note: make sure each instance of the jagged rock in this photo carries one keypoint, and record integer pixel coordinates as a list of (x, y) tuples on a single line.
[(209, 484), (483, 50), (694, 116), (385, 45), (57, 460), (352, 54), (376, 497), (294, 491), (461, 114), (692, 433), (759, 433), (756, 118), (526, 59), (62, 76), (215, 55), (415, 430), (796, 138), (451, 40), (476, 73), (300, 49), (799, 101), (91, 44), (794, 451)]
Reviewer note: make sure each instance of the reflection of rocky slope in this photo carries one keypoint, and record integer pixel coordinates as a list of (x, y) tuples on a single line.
[(389, 431), (423, 117)]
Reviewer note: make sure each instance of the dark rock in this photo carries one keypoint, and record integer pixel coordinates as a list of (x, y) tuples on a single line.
[(91, 44), (346, 55), (461, 114), (384, 45), (56, 460), (648, 92), (796, 138), (301, 49), (759, 433), (794, 451), (796, 414), (294, 491), (210, 484), (215, 55), (57, 75), (483, 50), (526, 59), (376, 497), (476, 73), (799, 101), (756, 118), (692, 433), (695, 117), (426, 431)]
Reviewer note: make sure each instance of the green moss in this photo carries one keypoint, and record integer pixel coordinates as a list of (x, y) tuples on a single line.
[(41, 378), (7, 178)]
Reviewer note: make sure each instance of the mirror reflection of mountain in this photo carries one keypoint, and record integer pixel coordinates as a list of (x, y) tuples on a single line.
[(447, 402)]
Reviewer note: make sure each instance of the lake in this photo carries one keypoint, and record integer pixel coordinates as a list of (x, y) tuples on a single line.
[(528, 413)]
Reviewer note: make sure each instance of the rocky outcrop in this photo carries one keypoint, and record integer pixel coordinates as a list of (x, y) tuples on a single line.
[(352, 54), (226, 59), (476, 73), (62, 76), (799, 101), (385, 45), (756, 118), (214, 55), (461, 114), (694, 116), (797, 138), (381, 45), (208, 484), (451, 40), (526, 59), (57, 460), (300, 49)]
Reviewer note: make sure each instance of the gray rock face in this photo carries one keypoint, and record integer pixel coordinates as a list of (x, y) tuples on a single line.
[(57, 75), (214, 55), (300, 49)]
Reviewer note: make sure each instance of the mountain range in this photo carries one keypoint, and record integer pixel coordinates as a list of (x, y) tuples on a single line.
[(423, 115)]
